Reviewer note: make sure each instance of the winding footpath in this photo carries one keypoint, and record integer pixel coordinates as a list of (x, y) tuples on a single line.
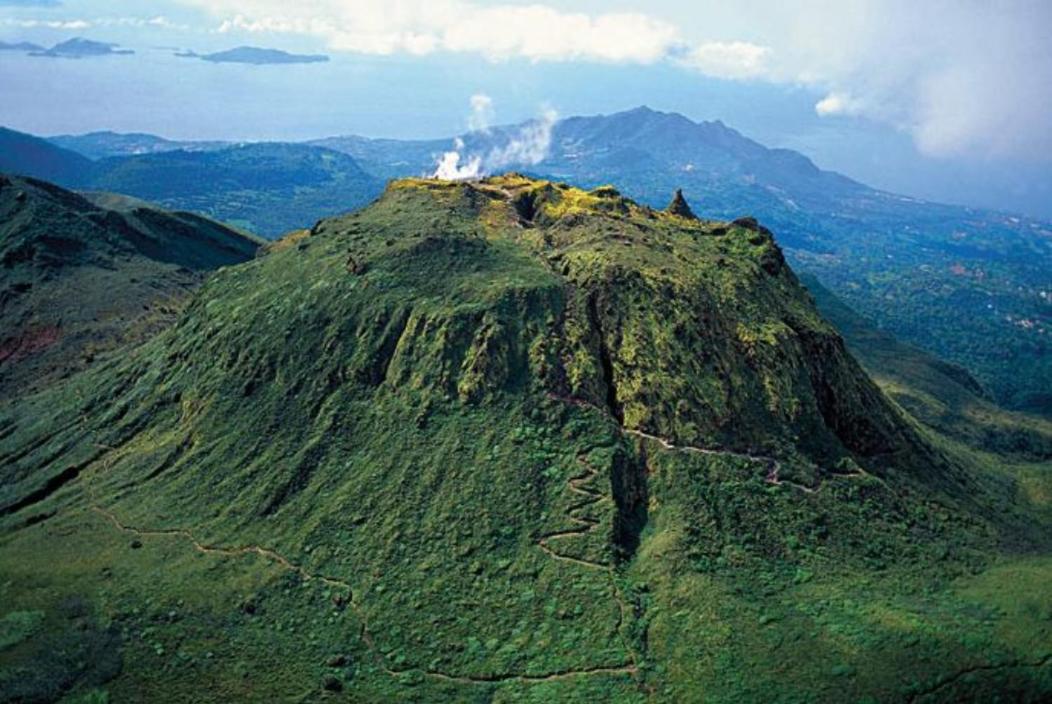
[(585, 524), (774, 466)]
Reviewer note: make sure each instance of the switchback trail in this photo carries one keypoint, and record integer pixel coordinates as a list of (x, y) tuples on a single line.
[(774, 466), (586, 524)]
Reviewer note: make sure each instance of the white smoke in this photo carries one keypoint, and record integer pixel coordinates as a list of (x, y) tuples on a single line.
[(530, 146), (450, 169), (526, 147)]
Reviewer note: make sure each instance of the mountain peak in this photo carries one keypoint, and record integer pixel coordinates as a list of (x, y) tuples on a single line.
[(679, 206)]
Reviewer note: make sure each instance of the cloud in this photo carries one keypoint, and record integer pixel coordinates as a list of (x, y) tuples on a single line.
[(159, 21), (481, 113), (729, 59), (450, 168), (959, 75), (838, 104), (537, 32), (48, 24), (527, 146)]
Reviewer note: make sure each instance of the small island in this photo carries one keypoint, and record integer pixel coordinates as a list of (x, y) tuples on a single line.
[(255, 55)]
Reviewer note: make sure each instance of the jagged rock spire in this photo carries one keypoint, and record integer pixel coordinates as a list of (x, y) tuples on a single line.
[(680, 207)]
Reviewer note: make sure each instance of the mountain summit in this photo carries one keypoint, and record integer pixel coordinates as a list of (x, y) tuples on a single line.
[(485, 441)]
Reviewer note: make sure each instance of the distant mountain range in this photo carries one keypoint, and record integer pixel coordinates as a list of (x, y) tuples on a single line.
[(99, 145), (269, 189), (20, 46), (917, 269)]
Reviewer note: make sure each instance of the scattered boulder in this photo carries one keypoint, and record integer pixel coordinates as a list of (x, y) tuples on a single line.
[(136, 544)]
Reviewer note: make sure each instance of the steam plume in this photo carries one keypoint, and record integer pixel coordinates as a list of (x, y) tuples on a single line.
[(526, 147)]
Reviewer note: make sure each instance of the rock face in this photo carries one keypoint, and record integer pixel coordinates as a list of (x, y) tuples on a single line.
[(680, 207)]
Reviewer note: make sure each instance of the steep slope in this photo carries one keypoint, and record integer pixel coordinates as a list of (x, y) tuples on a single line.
[(942, 395), (909, 265), (266, 188), (77, 279), (495, 441)]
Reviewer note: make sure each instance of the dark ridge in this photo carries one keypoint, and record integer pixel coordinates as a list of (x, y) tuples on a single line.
[(526, 206), (606, 362), (301, 476), (171, 458), (392, 337), (628, 482), (38, 518)]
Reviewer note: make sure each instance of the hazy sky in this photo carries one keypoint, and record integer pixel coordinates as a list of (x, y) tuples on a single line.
[(942, 99)]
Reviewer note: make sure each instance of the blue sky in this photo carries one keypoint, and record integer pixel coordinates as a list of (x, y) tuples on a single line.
[(948, 100)]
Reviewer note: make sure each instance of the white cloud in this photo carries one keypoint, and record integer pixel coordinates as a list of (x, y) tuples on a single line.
[(959, 75), (838, 103), (159, 21), (729, 59), (450, 168), (536, 32), (481, 113), (48, 24), (526, 148)]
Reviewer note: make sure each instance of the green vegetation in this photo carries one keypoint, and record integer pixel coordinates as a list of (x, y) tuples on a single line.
[(268, 189), (941, 395), (510, 441)]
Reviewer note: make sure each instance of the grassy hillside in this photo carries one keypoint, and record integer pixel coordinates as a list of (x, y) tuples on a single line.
[(916, 268), (269, 189), (27, 155), (79, 278), (508, 441)]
